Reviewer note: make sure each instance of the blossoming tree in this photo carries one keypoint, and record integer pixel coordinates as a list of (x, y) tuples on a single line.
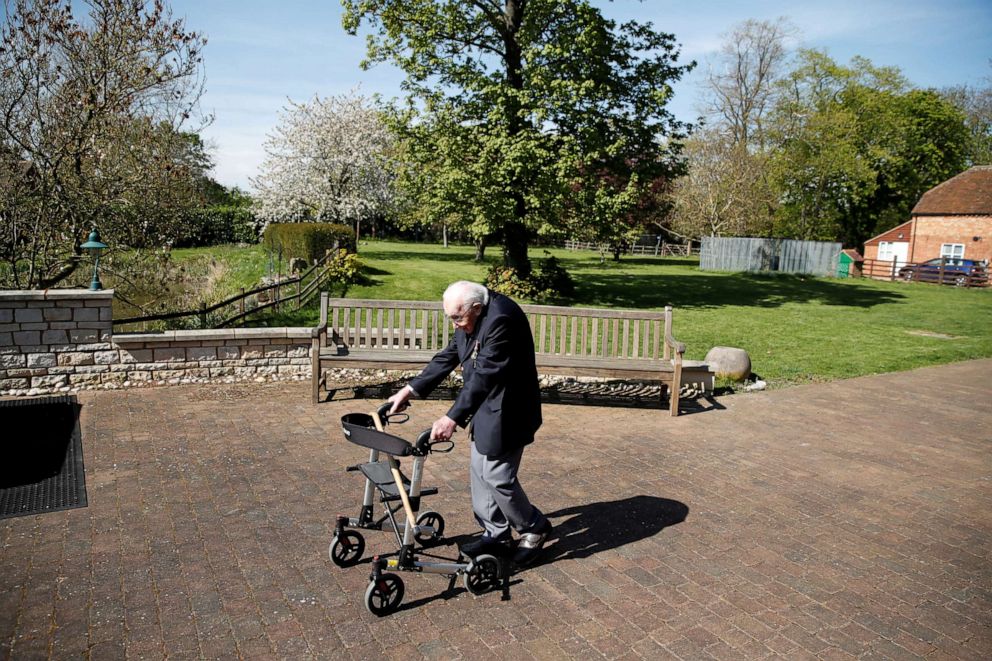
[(329, 159)]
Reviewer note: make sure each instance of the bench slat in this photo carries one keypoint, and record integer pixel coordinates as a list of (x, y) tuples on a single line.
[(369, 314), (601, 313), (405, 335)]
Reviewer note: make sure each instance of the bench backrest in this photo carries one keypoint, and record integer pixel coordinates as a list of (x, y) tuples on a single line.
[(422, 326), (597, 332)]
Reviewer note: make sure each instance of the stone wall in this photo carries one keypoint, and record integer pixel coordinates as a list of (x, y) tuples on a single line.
[(62, 340)]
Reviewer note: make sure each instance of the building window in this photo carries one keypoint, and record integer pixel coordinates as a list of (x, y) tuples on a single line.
[(885, 251), (952, 251)]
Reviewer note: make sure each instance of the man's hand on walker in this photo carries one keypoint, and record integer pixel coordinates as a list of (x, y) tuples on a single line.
[(443, 428), (400, 400)]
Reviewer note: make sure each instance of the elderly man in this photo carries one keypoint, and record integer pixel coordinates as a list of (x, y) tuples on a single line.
[(502, 399)]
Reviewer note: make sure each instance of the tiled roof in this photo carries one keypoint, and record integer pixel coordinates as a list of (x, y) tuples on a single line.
[(969, 193)]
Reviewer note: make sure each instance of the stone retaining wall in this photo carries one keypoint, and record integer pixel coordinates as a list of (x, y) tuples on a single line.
[(62, 340)]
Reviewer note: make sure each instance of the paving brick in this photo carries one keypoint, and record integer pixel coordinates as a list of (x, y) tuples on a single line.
[(765, 529)]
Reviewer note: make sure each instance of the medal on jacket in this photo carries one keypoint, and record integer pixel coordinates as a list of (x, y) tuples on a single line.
[(475, 353)]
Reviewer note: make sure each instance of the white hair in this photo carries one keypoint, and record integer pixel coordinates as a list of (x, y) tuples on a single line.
[(465, 293)]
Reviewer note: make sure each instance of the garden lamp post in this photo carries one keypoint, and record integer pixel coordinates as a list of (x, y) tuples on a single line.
[(94, 247)]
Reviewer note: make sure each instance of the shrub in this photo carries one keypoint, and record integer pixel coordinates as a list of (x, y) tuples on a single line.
[(549, 282), (507, 281), (310, 241), (216, 225), (344, 269), (552, 280)]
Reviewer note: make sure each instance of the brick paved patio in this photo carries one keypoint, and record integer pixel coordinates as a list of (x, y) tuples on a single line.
[(834, 521)]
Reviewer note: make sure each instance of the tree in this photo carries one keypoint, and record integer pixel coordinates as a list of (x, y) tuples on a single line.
[(743, 86), (855, 147), (976, 104), (90, 130), (725, 191), (512, 104), (328, 160), (728, 188)]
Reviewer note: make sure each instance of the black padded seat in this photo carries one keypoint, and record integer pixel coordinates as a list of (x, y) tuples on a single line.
[(380, 475)]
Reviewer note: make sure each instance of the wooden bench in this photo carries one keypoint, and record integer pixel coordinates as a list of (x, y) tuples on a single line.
[(405, 335)]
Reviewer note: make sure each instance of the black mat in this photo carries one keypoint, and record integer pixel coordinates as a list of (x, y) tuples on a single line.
[(41, 469)]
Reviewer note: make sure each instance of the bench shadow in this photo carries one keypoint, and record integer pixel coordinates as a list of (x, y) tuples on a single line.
[(596, 527), (611, 394)]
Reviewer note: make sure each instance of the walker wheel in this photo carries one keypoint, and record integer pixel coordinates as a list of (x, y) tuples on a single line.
[(346, 549), (435, 521), (484, 576), (384, 594)]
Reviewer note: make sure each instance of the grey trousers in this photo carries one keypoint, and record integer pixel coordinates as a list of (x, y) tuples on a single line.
[(498, 500)]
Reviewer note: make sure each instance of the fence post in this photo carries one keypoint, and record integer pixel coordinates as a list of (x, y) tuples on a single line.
[(203, 314), (242, 305), (278, 297), (943, 261), (298, 281)]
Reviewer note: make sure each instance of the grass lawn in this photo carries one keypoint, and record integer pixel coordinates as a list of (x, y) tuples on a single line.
[(796, 328)]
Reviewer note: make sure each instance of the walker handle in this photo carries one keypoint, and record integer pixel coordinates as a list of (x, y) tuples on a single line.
[(423, 444)]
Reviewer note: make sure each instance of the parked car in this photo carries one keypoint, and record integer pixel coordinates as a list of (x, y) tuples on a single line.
[(959, 272)]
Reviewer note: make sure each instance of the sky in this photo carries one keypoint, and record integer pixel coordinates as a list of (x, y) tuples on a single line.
[(262, 53)]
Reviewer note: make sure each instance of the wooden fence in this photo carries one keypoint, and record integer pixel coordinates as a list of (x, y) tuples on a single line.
[(943, 273), (294, 290), (658, 250)]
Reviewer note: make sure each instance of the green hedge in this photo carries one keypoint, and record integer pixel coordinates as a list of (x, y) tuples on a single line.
[(216, 225), (310, 241)]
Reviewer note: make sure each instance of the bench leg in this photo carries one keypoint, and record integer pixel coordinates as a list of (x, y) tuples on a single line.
[(676, 390), (315, 370)]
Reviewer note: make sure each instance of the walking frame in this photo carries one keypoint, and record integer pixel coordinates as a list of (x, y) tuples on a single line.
[(384, 594)]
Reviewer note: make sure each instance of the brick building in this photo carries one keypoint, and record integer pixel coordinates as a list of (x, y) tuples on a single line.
[(953, 219)]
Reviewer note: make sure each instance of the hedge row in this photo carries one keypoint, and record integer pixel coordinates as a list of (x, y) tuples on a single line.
[(309, 241), (217, 225)]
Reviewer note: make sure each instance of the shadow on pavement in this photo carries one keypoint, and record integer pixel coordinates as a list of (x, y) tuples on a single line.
[(596, 527), (612, 394)]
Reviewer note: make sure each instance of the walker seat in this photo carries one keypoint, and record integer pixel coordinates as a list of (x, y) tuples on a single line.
[(379, 474)]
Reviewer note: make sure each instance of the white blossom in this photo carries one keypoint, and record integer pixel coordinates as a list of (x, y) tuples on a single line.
[(328, 160)]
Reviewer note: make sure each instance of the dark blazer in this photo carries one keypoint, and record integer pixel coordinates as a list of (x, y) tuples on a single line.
[(501, 395)]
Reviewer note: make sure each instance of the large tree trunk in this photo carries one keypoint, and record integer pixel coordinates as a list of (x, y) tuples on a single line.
[(515, 248), (515, 235), (480, 249)]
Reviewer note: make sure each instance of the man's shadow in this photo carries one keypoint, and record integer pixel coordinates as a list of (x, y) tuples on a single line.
[(595, 527)]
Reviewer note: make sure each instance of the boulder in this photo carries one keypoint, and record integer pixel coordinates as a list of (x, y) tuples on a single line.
[(729, 362)]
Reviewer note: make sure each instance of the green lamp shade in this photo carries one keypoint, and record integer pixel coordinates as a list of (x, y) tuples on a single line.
[(94, 242)]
